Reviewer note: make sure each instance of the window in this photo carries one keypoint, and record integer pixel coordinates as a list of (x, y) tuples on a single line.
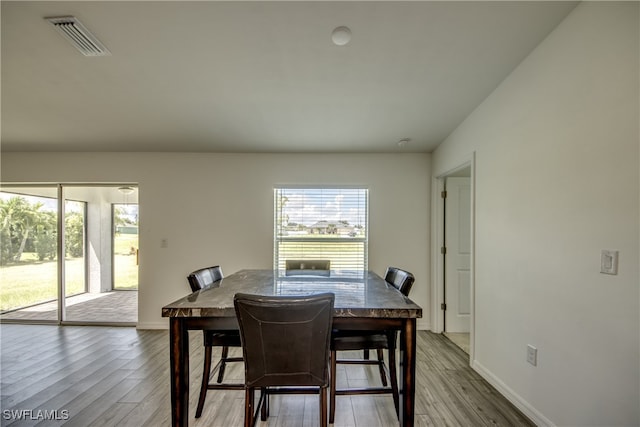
[(321, 224), (125, 246)]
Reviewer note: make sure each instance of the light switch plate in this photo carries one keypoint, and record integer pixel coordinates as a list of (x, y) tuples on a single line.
[(532, 355), (609, 262)]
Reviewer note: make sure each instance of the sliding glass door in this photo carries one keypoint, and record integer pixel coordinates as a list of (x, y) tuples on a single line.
[(94, 246), (83, 286)]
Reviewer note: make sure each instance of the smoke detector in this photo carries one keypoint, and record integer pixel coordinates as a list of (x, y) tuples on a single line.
[(76, 33), (341, 36)]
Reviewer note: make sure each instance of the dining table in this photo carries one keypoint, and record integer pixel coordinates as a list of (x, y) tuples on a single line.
[(363, 301)]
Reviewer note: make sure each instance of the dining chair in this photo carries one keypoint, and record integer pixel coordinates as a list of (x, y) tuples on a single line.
[(285, 345), (346, 340), (206, 278), (305, 267)]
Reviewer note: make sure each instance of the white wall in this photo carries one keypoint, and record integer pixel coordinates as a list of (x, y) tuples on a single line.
[(557, 180), (218, 209)]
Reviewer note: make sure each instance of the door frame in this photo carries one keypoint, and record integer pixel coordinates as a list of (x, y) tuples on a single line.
[(438, 259)]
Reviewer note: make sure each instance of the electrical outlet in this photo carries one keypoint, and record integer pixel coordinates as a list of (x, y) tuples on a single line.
[(532, 355)]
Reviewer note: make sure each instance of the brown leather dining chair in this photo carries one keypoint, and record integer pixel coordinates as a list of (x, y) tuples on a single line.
[(370, 340), (285, 345), (308, 267), (199, 279)]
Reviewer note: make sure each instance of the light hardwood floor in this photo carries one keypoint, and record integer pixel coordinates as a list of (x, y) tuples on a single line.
[(461, 339), (105, 376)]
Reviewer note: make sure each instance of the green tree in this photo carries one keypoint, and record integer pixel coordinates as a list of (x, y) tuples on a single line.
[(46, 236), (119, 218), (122, 216), (74, 234), (12, 223), (24, 224), (25, 221)]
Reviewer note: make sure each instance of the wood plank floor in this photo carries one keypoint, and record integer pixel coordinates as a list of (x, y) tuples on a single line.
[(105, 376), (461, 339)]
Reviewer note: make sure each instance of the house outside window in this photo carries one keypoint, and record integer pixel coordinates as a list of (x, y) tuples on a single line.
[(321, 223)]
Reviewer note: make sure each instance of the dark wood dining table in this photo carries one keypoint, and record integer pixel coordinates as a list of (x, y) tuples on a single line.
[(363, 300)]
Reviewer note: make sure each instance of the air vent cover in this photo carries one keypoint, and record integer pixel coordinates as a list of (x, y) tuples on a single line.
[(79, 36)]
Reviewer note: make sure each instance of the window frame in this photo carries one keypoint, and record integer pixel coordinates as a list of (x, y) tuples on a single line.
[(277, 239)]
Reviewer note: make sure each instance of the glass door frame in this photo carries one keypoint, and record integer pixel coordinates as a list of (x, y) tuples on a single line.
[(62, 256), (61, 252), (64, 320)]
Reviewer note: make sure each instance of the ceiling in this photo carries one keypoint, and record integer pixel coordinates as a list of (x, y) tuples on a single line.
[(263, 76)]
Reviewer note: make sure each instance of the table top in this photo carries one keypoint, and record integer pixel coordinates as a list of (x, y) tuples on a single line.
[(357, 294)]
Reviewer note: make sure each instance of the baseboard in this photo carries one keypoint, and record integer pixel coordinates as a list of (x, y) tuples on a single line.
[(153, 325), (525, 407), (423, 325)]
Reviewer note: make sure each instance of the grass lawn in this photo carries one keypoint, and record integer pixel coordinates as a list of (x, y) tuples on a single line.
[(125, 267), (126, 272), (27, 284), (36, 282)]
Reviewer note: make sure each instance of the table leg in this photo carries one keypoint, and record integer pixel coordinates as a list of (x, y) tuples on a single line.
[(179, 361), (408, 373)]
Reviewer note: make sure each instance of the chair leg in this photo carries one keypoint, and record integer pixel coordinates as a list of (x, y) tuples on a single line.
[(365, 354), (223, 362), (206, 372), (383, 376), (264, 410), (393, 376), (332, 390), (323, 407), (248, 407)]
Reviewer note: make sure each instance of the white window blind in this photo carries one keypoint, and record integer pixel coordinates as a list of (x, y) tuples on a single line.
[(321, 224)]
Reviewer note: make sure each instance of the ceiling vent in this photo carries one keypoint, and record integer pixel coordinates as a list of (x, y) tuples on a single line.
[(79, 36)]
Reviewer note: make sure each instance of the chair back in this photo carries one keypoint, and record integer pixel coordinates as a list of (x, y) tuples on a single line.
[(285, 339), (307, 267), (204, 277), (400, 279)]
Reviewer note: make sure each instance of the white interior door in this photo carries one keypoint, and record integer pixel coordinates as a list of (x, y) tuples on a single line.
[(458, 254)]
